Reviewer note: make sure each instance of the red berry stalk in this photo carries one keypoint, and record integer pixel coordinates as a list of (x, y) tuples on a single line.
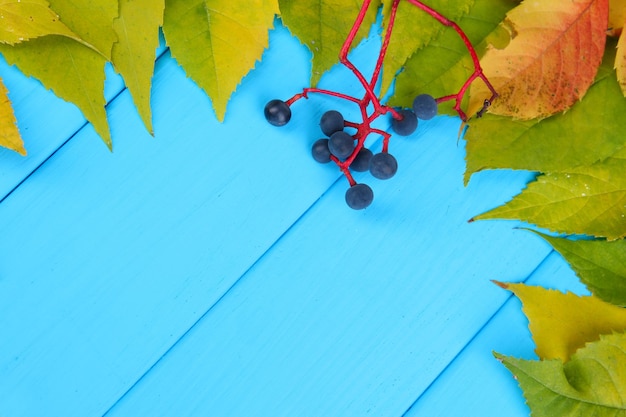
[(278, 112)]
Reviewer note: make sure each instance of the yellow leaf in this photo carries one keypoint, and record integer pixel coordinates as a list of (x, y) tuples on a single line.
[(563, 323), (617, 16), (620, 63), (24, 20), (9, 134), (323, 25), (218, 42), (555, 50), (91, 20), (133, 55), (70, 69)]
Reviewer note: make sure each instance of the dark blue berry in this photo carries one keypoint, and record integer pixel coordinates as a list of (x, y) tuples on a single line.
[(406, 125), (341, 144), (277, 112), (425, 106), (331, 122), (383, 166), (361, 162), (359, 196), (320, 151)]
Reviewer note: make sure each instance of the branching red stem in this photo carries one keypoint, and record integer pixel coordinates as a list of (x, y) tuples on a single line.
[(364, 129)]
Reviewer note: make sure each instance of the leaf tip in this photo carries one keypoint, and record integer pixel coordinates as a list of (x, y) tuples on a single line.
[(500, 284)]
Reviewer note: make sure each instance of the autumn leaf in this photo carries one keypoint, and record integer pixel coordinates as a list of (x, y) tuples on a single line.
[(9, 135), (24, 20), (71, 70), (449, 63), (617, 16), (620, 63), (133, 55), (587, 200), (323, 26), (413, 29), (552, 59), (592, 383), (599, 264), (218, 42), (562, 323), (589, 132), (91, 20)]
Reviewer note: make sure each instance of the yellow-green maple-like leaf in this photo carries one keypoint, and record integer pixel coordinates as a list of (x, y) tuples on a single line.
[(449, 62), (587, 200), (323, 26), (217, 42), (562, 323), (413, 29), (92, 20), (24, 20), (592, 383), (9, 134), (552, 59), (600, 265), (588, 132), (70, 69), (137, 29)]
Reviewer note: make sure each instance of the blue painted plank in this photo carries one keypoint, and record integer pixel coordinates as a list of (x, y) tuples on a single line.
[(353, 313), (46, 122), (108, 258), (479, 384)]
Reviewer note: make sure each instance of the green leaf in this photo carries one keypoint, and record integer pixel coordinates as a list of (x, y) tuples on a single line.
[(562, 323), (449, 63), (71, 70), (599, 264), (91, 20), (413, 29), (592, 383), (323, 26), (590, 131), (586, 200), (218, 41), (137, 29), (24, 20), (9, 135)]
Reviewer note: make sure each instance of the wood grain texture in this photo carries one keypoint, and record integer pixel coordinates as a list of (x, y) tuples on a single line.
[(45, 122), (215, 269), (479, 384)]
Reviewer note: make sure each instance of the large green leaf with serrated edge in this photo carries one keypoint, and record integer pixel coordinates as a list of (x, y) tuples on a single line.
[(323, 26), (413, 29), (441, 67), (137, 29), (592, 383), (217, 42), (91, 20), (599, 264), (590, 131), (9, 135), (71, 70), (586, 200), (24, 20)]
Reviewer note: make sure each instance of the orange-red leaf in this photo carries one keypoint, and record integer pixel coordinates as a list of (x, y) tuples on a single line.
[(551, 61)]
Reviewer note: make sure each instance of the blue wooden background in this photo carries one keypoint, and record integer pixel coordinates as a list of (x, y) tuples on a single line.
[(215, 270)]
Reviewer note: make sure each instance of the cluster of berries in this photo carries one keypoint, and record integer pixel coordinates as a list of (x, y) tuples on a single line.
[(347, 150)]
